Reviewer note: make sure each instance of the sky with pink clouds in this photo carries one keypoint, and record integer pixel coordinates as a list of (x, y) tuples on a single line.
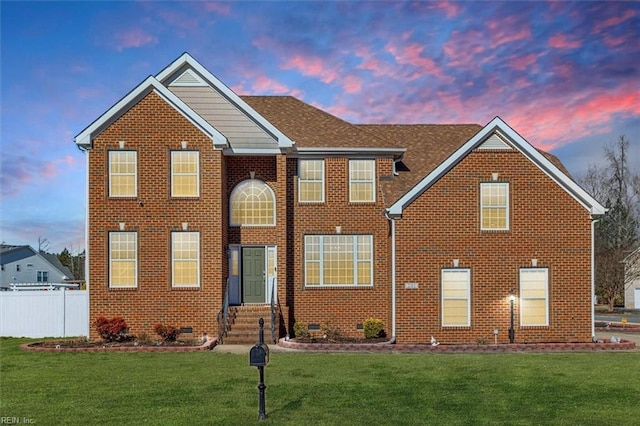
[(565, 75)]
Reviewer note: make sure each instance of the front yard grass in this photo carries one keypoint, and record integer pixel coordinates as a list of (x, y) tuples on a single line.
[(333, 389)]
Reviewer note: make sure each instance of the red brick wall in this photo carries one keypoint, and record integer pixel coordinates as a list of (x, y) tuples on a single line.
[(153, 129), (272, 170), (546, 224), (344, 308)]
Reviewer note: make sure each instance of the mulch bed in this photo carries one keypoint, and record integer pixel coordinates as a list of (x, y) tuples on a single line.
[(448, 348), (83, 345)]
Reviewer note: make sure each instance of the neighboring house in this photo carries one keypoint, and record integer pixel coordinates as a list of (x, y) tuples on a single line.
[(23, 264), (632, 280), (195, 192)]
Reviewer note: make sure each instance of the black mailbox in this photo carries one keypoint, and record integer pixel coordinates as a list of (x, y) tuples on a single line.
[(259, 355)]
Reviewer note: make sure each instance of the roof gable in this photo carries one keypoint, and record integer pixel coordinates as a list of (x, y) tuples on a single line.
[(10, 254), (498, 126), (85, 138), (187, 78)]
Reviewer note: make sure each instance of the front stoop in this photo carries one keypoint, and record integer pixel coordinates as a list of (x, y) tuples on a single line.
[(243, 324)]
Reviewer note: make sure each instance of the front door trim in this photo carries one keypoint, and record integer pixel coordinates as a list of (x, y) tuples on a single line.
[(236, 273)]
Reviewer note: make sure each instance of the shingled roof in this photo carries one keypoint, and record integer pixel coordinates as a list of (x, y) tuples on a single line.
[(311, 127), (426, 145)]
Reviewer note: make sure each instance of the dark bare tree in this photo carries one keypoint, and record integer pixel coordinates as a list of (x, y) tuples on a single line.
[(43, 244), (617, 232)]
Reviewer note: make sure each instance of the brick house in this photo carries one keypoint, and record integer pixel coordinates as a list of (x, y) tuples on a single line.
[(197, 195)]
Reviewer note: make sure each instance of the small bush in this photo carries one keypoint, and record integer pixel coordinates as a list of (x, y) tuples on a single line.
[(330, 333), (482, 340), (144, 339), (300, 329), (168, 333), (112, 330), (373, 328)]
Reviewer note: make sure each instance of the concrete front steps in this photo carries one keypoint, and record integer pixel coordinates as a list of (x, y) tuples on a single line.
[(244, 327)]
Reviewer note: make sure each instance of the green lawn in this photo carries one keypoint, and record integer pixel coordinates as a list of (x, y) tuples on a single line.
[(215, 388)]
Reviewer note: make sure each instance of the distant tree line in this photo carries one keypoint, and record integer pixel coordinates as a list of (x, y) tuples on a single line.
[(617, 233), (75, 262)]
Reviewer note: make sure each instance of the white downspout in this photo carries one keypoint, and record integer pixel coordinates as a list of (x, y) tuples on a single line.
[(393, 277), (593, 279), (86, 243)]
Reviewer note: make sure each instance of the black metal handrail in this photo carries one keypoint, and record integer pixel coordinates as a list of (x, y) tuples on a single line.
[(222, 331)]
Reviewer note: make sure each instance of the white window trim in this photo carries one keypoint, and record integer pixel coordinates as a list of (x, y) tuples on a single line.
[(507, 207), (174, 260), (197, 174), (135, 260), (135, 175), (356, 262), (273, 195), (546, 298), (467, 271), (372, 181), (300, 181), (41, 275)]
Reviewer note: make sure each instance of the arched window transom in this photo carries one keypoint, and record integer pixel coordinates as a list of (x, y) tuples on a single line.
[(253, 203)]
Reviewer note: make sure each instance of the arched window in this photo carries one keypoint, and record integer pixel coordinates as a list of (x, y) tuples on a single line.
[(253, 203)]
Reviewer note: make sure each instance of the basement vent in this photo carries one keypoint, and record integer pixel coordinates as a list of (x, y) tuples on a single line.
[(188, 78), (494, 142)]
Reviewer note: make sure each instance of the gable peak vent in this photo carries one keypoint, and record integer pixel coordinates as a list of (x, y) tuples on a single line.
[(495, 142), (188, 78)]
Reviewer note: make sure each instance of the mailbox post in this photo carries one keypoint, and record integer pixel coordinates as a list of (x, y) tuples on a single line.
[(259, 357)]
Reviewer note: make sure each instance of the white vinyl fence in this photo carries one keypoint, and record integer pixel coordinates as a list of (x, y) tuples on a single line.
[(58, 313)]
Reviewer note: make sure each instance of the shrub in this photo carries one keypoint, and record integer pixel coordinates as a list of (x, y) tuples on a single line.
[(112, 330), (329, 332), (168, 333), (300, 329), (144, 339), (373, 327), (482, 340)]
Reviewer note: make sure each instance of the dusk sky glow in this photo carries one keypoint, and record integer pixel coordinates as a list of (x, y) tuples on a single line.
[(565, 75)]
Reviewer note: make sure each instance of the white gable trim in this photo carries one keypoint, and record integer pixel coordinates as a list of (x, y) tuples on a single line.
[(186, 59), (497, 124), (85, 138)]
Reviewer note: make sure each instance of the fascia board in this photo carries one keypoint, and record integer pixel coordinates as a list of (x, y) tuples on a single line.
[(252, 151), (519, 143), (397, 207), (550, 169), (150, 83), (283, 140), (351, 152)]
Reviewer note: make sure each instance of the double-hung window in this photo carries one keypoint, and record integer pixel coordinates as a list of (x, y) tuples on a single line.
[(123, 259), (456, 290), (185, 173), (311, 181), (43, 276), (494, 206), (534, 297), (362, 182), (123, 173), (185, 259), (338, 260)]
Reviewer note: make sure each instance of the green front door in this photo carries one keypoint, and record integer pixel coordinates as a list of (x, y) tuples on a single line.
[(253, 275)]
